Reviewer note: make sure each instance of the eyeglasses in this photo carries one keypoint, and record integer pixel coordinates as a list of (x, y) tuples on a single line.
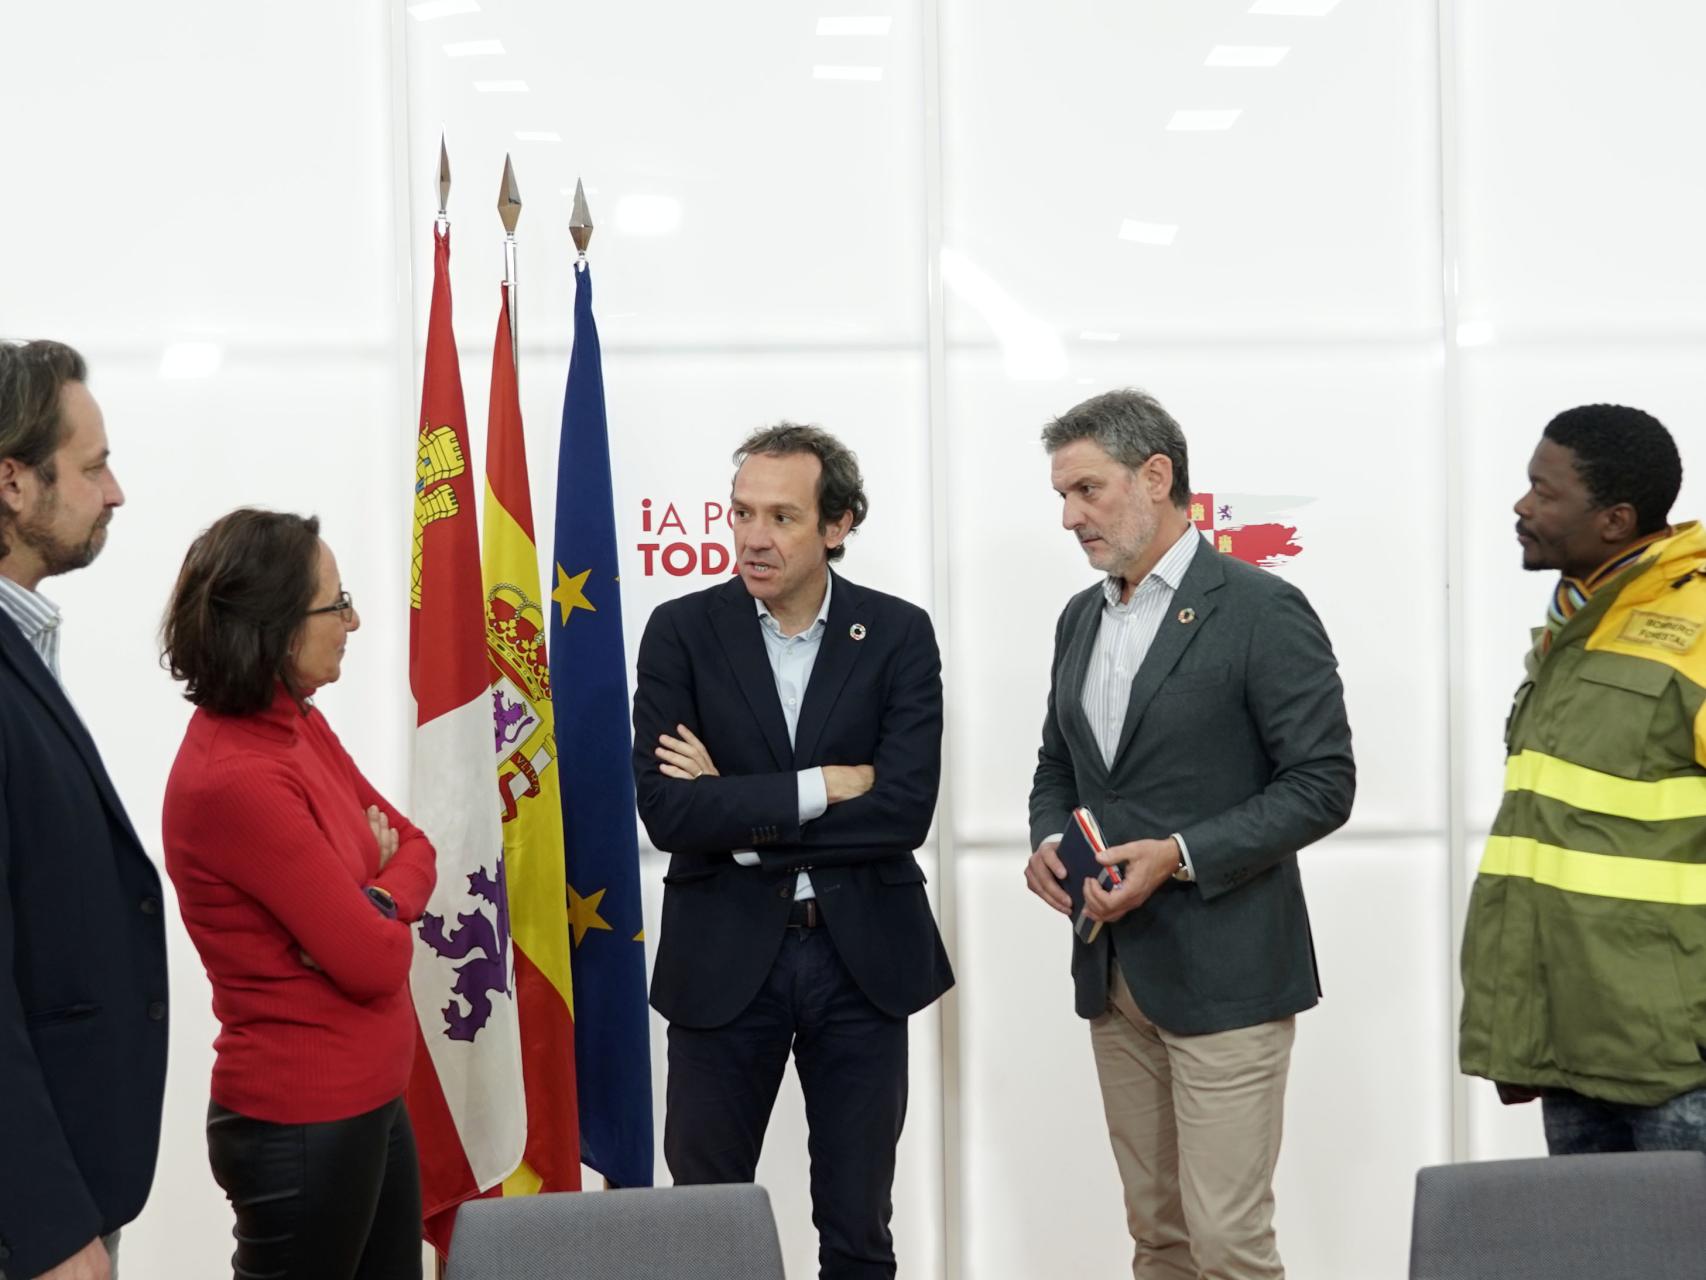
[(343, 606)]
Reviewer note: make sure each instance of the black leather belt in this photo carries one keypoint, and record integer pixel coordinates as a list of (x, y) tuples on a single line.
[(804, 914)]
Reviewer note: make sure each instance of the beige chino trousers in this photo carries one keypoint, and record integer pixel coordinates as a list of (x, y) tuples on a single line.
[(1195, 1123)]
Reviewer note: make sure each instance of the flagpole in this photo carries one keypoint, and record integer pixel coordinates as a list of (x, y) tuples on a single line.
[(509, 209), (580, 231), (443, 226)]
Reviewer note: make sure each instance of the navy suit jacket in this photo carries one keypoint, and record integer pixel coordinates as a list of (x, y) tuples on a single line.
[(875, 697), (82, 981)]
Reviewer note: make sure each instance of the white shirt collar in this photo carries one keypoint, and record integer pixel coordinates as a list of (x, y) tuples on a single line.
[(33, 612)]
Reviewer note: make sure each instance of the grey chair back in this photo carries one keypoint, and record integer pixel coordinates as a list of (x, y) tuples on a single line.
[(1639, 1216), (667, 1233)]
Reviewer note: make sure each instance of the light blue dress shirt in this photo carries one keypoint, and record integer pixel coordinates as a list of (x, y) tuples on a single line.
[(791, 661)]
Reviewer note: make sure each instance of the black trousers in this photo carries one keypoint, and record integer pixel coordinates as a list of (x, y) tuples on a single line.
[(333, 1201), (851, 1059)]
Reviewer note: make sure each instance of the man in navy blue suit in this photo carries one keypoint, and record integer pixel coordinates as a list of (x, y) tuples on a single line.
[(82, 943), (787, 751)]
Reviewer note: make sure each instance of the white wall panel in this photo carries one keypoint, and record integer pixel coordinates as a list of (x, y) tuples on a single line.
[(1579, 211)]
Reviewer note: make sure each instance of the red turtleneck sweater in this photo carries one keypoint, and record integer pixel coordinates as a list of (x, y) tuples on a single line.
[(267, 843)]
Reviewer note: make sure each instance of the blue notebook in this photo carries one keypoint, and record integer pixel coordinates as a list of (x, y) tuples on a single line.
[(1079, 845)]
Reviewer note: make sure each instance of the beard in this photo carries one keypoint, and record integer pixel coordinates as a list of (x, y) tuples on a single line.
[(57, 554), (1119, 552)]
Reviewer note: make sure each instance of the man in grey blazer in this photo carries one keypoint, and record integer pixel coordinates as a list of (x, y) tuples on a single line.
[(1196, 710)]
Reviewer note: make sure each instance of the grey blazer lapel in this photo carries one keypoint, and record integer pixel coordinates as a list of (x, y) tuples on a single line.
[(1082, 627), (1193, 599), (735, 620)]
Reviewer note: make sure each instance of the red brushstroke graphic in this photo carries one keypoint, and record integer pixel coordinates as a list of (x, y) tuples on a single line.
[(1260, 544), (1268, 544)]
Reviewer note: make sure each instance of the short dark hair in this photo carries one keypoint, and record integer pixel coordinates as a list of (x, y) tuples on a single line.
[(1622, 455), (32, 374), (247, 583), (840, 487), (1131, 427)]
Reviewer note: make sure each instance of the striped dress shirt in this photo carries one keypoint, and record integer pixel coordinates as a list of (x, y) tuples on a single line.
[(36, 617), (1127, 631)]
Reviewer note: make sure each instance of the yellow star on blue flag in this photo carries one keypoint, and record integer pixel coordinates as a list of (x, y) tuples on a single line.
[(571, 593)]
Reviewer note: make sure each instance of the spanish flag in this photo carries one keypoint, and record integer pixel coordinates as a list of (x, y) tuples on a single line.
[(529, 790)]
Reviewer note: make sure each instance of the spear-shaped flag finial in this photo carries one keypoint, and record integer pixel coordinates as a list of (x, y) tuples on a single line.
[(443, 178), (580, 221), (509, 198)]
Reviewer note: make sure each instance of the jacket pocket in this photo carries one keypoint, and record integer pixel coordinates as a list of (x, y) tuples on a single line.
[(692, 875), (1608, 723), (900, 871), (1212, 676), (63, 1013)]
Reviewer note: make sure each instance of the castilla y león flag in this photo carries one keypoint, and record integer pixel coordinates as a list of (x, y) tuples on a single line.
[(466, 1096), (528, 779)]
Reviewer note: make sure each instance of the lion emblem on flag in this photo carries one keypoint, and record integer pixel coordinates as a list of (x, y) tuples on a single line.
[(482, 944)]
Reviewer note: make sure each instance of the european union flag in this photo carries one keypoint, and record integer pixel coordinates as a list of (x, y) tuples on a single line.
[(589, 692)]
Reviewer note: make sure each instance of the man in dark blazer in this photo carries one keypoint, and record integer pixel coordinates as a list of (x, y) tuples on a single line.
[(1196, 711), (787, 750), (82, 943)]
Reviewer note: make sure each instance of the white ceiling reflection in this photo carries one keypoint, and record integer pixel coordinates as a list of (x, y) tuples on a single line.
[(741, 200), (1110, 177)]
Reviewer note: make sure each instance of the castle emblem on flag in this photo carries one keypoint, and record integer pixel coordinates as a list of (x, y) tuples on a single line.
[(526, 745), (438, 459), (482, 944)]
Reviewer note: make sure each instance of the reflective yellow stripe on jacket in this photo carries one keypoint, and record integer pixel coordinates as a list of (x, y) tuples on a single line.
[(1599, 874), (1663, 801)]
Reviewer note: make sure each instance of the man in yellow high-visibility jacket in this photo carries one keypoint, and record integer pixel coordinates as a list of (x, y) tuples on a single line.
[(1584, 956)]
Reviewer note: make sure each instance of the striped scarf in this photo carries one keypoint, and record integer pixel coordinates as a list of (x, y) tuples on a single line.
[(1572, 593)]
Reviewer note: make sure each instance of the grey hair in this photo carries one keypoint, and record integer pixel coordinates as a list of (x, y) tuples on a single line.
[(1131, 427)]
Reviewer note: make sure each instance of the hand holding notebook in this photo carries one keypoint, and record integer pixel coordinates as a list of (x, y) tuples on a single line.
[(1079, 845)]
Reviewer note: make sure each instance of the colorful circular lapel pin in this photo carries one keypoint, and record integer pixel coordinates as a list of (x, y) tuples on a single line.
[(857, 630), (1187, 615)]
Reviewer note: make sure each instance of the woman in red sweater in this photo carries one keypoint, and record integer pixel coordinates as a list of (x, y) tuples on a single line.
[(297, 883)]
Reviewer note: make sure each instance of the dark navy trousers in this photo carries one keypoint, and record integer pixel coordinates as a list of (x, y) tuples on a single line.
[(852, 1062)]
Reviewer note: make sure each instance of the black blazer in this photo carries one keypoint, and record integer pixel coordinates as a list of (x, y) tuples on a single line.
[(1235, 737), (82, 981), (876, 700)]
